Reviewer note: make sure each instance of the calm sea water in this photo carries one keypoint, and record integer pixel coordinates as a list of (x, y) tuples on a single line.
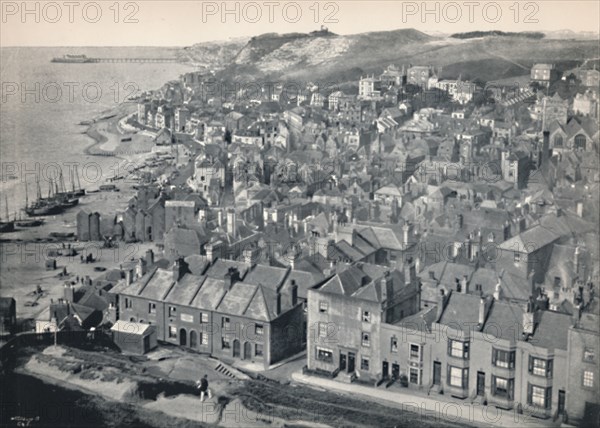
[(42, 104)]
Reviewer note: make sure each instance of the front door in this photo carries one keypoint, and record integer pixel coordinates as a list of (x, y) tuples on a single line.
[(342, 362), (351, 360), (182, 337), (236, 348), (385, 367), (561, 402), (395, 371), (247, 351), (480, 383), (437, 373)]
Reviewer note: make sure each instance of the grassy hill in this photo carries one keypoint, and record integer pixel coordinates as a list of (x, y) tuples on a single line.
[(340, 58)]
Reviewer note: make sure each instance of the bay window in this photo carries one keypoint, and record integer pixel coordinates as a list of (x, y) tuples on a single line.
[(458, 377)]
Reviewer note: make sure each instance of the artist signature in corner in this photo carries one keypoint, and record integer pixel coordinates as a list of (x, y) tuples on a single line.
[(23, 421)]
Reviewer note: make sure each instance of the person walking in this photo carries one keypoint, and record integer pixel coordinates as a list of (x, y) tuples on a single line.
[(202, 385)]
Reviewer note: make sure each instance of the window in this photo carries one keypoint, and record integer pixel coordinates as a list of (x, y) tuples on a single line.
[(458, 377), (323, 307), (588, 379), (225, 323), (415, 376), (458, 349), (558, 141), (366, 317), (258, 329), (540, 367), (502, 387), (172, 311), (151, 308), (366, 339), (364, 363), (258, 350), (504, 359), (127, 303), (516, 256), (203, 339), (172, 332), (225, 343), (325, 355), (415, 352), (538, 396), (588, 356), (204, 318), (322, 329), (394, 344)]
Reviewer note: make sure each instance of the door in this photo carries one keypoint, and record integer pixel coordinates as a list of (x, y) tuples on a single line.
[(395, 371), (437, 373), (480, 383), (351, 362), (385, 368), (342, 362), (236, 348), (247, 351), (193, 339), (182, 337), (561, 402)]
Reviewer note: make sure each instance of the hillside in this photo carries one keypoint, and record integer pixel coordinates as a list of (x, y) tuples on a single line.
[(326, 56)]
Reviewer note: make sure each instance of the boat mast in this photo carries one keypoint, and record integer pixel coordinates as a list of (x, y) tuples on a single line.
[(6, 207), (77, 178)]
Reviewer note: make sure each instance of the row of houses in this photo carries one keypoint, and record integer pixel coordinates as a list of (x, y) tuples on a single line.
[(474, 348), (228, 309)]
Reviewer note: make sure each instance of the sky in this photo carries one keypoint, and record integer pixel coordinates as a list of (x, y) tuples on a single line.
[(183, 23)]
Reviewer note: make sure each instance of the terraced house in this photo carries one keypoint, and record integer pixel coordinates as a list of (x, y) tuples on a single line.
[(228, 309), (478, 349)]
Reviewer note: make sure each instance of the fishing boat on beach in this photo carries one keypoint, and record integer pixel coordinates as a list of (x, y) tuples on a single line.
[(42, 206), (29, 223)]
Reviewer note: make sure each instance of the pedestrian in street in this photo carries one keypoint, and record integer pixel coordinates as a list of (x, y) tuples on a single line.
[(202, 385)]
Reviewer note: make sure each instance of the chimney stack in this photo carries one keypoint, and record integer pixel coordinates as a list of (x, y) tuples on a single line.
[(294, 293), (149, 258), (128, 277), (232, 223), (576, 259), (442, 301), (220, 218), (529, 318), (211, 252), (140, 268), (69, 293), (482, 310), (278, 303), (180, 268), (405, 230), (231, 277), (465, 284), (386, 286), (248, 256)]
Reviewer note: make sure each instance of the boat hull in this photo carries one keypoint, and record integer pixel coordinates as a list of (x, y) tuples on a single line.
[(7, 226)]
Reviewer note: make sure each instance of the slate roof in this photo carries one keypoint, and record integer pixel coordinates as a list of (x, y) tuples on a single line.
[(461, 311), (552, 330)]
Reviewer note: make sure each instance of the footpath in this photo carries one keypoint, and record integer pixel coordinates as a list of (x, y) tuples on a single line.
[(436, 408)]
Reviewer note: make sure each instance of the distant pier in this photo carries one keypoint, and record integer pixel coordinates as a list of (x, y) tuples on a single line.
[(82, 59), (133, 59)]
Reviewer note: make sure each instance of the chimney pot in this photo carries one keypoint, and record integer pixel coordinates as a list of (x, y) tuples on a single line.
[(482, 307)]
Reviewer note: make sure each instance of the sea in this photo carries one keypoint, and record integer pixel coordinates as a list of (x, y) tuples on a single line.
[(43, 104)]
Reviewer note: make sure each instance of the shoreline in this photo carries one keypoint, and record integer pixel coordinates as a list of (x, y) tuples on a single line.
[(97, 137)]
